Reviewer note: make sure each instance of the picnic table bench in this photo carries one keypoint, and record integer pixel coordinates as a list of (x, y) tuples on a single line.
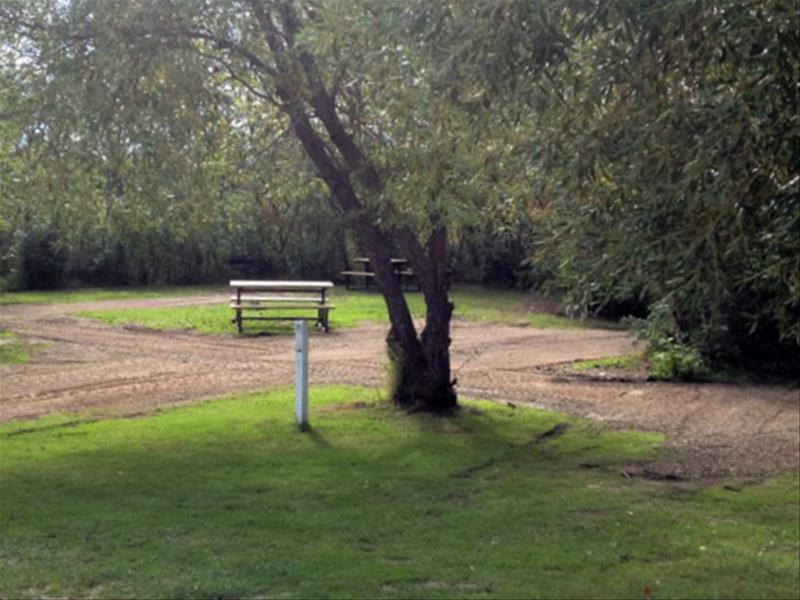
[(366, 273), (295, 297)]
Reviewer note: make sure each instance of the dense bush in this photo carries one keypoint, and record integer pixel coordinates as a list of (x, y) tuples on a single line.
[(307, 244), (670, 355), (42, 261)]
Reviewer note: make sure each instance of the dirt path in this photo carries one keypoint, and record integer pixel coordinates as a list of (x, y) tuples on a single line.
[(712, 430)]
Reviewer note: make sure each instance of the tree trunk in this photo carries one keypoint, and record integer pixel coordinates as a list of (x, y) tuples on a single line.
[(420, 378), (420, 364), (424, 380)]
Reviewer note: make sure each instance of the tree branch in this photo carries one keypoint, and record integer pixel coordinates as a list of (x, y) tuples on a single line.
[(224, 44), (264, 95)]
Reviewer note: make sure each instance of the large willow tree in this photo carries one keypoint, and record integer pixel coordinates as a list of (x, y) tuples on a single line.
[(383, 122)]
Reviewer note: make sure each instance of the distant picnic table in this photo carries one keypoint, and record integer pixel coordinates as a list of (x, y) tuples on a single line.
[(296, 298), (401, 270)]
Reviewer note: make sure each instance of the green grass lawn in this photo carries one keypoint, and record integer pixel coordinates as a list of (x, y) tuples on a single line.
[(227, 499), (95, 294), (352, 308)]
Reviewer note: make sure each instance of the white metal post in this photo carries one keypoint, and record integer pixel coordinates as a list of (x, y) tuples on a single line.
[(301, 374)]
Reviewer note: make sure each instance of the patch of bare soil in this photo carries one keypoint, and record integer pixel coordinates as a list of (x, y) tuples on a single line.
[(712, 430)]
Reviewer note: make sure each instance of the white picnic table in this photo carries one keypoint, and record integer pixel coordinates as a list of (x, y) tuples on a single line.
[(298, 297)]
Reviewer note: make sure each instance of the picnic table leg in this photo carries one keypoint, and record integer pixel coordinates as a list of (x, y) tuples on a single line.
[(239, 310)]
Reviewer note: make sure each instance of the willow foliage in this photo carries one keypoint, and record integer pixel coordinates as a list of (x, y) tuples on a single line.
[(675, 155)]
